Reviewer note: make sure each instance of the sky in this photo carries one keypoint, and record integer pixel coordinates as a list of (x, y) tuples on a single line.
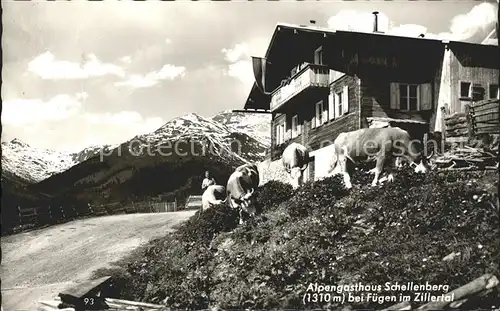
[(84, 73)]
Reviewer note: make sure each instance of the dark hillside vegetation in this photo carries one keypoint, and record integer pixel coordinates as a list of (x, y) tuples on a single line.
[(321, 233), (125, 175)]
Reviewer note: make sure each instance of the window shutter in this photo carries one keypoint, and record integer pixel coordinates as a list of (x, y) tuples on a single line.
[(317, 115), (288, 131), (345, 100), (313, 119), (278, 131), (395, 96), (426, 96), (337, 112), (324, 118), (331, 107), (299, 127)]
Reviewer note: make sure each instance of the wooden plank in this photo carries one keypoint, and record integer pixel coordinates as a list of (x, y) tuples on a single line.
[(488, 131), (485, 102), (485, 125), (485, 113), (482, 106), (483, 109), (134, 303), (485, 282)]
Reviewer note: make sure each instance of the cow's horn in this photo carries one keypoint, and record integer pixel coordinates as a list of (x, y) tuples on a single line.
[(430, 156), (304, 166)]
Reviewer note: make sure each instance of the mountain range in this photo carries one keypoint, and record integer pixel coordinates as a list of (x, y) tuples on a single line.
[(170, 160)]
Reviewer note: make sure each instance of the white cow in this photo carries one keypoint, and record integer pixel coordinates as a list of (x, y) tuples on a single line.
[(295, 159), (378, 143), (213, 195), (241, 186)]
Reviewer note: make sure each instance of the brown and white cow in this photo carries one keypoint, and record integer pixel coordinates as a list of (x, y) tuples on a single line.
[(379, 143), (295, 159), (241, 186), (213, 195)]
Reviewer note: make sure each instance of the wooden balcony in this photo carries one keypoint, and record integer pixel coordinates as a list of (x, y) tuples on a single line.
[(310, 77)]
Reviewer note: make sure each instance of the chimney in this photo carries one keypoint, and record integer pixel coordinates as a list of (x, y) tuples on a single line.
[(375, 22), (421, 35), (312, 21)]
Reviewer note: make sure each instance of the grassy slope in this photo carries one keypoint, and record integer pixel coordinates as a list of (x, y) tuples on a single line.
[(322, 234)]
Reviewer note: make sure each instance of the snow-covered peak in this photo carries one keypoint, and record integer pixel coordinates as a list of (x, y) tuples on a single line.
[(221, 130), (36, 164)]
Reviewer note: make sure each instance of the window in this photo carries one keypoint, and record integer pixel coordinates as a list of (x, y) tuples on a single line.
[(319, 114), (280, 133), (341, 102), (493, 91), (409, 97), (295, 126), (465, 90), (318, 56)]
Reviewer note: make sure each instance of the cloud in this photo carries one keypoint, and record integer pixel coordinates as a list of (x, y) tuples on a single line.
[(60, 123), (125, 119), (357, 21), (47, 67), (167, 72), (463, 27), (240, 61), (126, 59), (236, 53), (82, 95), (240, 65), (480, 17), (25, 111)]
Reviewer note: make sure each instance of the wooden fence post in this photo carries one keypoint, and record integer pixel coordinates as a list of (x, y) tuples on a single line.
[(49, 211), (62, 213), (20, 217), (443, 125), (470, 126)]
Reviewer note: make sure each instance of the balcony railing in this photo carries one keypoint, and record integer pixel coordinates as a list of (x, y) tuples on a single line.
[(310, 76)]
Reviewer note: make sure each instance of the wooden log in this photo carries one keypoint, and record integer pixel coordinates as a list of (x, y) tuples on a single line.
[(134, 303), (486, 168), (482, 283), (455, 121), (457, 139), (457, 126), (455, 115)]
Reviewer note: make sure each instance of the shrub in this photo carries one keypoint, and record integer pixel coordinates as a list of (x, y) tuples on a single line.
[(272, 193)]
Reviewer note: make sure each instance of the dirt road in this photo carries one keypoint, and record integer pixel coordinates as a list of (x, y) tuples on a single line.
[(37, 265)]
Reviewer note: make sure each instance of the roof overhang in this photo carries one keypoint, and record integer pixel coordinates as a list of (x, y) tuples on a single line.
[(475, 55), (257, 100)]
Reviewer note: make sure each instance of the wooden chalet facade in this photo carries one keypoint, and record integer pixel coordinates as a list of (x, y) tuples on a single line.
[(324, 82)]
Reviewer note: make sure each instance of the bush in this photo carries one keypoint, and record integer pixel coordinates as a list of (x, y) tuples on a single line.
[(271, 194)]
